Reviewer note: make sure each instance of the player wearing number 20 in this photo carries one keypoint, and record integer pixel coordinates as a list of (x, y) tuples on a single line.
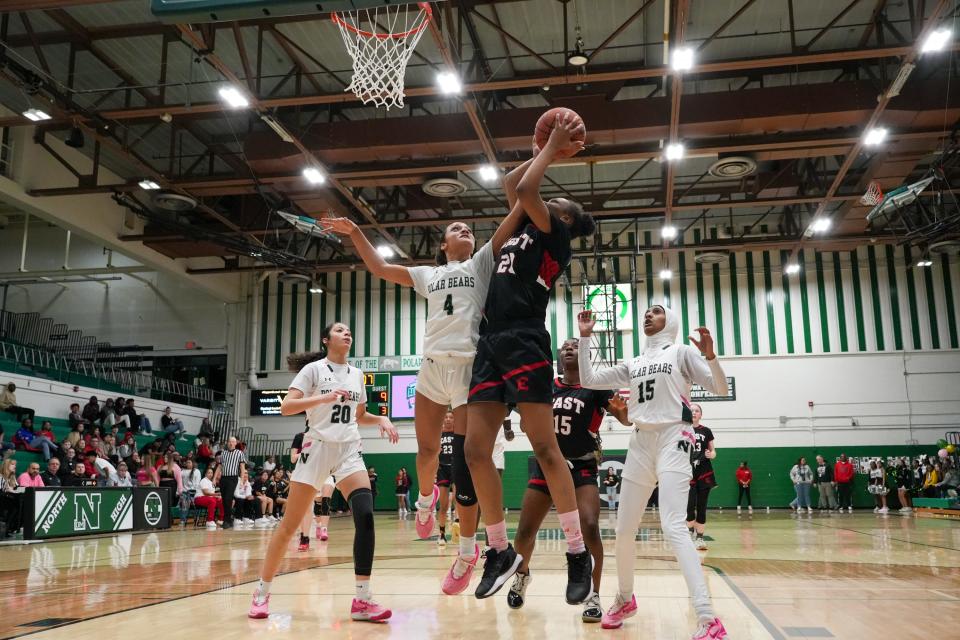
[(659, 380)]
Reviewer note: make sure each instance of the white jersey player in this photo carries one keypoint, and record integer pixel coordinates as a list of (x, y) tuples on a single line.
[(659, 380), (456, 290)]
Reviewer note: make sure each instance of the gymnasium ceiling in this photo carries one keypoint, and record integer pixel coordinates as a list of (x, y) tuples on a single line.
[(791, 84)]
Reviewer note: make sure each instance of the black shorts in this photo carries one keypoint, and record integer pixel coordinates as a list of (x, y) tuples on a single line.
[(445, 475), (704, 481), (584, 472), (513, 365)]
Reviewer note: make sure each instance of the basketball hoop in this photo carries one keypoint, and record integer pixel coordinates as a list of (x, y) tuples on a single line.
[(381, 52), (873, 195)]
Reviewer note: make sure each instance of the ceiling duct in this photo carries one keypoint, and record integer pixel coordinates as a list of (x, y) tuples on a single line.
[(733, 167), (291, 277), (444, 187), (712, 257), (172, 201)]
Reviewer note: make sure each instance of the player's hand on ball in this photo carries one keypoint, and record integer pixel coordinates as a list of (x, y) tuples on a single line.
[(340, 226), (586, 321), (561, 141), (387, 429), (705, 343)]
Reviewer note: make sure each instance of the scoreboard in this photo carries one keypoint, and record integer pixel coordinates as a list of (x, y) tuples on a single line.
[(266, 402), (378, 393)]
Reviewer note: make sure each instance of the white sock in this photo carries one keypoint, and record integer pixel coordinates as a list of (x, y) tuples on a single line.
[(468, 545), (263, 590), (423, 502), (363, 590)]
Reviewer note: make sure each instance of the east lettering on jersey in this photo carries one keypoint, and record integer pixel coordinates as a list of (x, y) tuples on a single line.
[(577, 414), (446, 447)]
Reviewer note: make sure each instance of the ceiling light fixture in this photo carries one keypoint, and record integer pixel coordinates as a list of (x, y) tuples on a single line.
[(449, 83), (819, 225), (489, 173), (386, 251), (668, 232), (792, 267), (875, 136), (233, 97), (925, 262), (36, 115), (314, 175), (675, 151), (682, 59), (936, 41), (148, 185), (666, 274), (577, 57)]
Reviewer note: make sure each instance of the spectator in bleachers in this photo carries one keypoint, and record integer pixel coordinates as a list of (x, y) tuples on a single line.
[(169, 475), (51, 477), (948, 482), (79, 477), (209, 500), (170, 424), (138, 421), (281, 488), (106, 472), (11, 497), (930, 479), (147, 474), (134, 462), (206, 429), (190, 483), (123, 477), (247, 507), (91, 411), (34, 441), (75, 418), (270, 464), (204, 451), (261, 488), (31, 477), (110, 448), (5, 446), (75, 435), (68, 462), (112, 417), (8, 403), (128, 447)]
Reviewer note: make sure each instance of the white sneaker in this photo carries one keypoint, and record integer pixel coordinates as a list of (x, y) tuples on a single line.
[(876, 509), (809, 509), (211, 526), (701, 544), (261, 523), (883, 510), (749, 509), (248, 522), (738, 508)]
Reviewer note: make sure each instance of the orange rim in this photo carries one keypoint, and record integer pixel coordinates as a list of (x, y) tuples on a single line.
[(424, 6)]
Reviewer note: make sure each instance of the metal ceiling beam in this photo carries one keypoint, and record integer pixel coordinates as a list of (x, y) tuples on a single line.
[(616, 32), (829, 25), (739, 12), (882, 102)]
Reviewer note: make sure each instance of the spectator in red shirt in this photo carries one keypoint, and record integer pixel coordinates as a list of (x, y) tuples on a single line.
[(843, 476), (744, 479), (31, 477)]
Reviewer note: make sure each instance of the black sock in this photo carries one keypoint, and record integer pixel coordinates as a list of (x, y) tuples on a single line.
[(443, 532), (304, 539)]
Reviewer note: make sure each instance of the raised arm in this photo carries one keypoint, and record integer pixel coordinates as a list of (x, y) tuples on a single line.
[(371, 257), (512, 179), (704, 369), (616, 377), (507, 228), (528, 189)]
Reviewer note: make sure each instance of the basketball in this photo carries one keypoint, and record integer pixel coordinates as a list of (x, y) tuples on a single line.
[(546, 123)]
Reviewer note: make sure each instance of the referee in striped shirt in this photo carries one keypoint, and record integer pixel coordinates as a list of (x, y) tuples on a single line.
[(232, 461)]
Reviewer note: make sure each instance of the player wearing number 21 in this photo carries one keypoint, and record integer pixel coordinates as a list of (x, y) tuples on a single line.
[(659, 380)]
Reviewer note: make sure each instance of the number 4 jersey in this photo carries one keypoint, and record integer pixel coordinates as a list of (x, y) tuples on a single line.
[(659, 382), (333, 421), (455, 293)]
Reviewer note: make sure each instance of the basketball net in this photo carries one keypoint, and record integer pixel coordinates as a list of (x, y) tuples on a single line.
[(873, 195), (380, 41)]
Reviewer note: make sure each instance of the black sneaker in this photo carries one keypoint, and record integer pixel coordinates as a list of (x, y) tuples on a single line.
[(579, 580), (497, 569), (518, 590), (227, 525)]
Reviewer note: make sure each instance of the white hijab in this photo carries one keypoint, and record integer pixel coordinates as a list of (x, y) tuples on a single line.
[(666, 336)]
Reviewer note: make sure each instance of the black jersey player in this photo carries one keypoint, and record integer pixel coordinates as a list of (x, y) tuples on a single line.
[(445, 475), (703, 480), (577, 414)]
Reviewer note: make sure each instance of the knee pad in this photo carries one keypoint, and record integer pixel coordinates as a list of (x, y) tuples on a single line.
[(361, 505), (323, 508), (466, 496)]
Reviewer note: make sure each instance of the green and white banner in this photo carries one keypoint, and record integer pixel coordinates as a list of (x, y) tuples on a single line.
[(73, 512)]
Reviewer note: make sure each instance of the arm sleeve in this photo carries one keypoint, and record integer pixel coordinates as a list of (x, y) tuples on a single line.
[(706, 373), (615, 377), (421, 278), (484, 262), (306, 380)]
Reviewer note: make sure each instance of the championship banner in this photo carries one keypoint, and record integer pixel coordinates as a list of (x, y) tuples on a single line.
[(57, 512)]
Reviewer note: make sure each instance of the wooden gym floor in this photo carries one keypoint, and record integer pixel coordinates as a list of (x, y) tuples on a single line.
[(771, 575)]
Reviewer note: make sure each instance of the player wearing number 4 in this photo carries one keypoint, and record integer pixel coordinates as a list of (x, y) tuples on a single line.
[(332, 394), (659, 380), (455, 290)]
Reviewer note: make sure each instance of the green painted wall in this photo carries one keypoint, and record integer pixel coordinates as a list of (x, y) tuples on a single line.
[(770, 466)]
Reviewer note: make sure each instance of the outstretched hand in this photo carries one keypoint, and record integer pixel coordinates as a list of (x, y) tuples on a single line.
[(705, 343), (586, 321), (617, 403), (561, 143), (339, 226)]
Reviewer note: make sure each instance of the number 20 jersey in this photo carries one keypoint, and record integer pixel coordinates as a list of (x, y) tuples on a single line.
[(332, 421)]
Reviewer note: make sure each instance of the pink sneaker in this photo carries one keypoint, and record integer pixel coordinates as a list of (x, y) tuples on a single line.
[(322, 534), (369, 611), (426, 518), (620, 611), (710, 630), (259, 611), (452, 585)]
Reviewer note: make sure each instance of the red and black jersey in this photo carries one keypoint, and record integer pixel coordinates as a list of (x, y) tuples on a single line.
[(446, 447), (577, 413), (702, 466), (529, 265)]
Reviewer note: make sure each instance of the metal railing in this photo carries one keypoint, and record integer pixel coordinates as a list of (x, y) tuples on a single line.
[(259, 445)]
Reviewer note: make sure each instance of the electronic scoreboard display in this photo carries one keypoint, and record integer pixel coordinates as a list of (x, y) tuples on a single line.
[(378, 393)]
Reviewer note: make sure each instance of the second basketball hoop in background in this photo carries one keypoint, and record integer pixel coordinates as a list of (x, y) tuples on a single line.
[(873, 194), (380, 41)]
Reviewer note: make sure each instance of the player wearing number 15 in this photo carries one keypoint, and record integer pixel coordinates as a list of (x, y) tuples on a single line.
[(659, 380), (332, 394)]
